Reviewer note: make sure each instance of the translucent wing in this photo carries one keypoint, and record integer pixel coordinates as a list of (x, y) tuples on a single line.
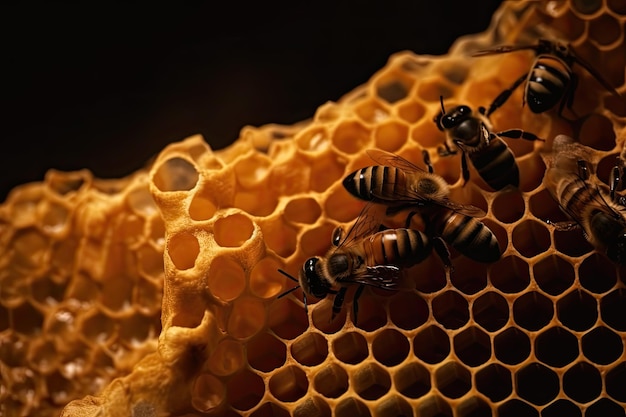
[(595, 74), (385, 277), (393, 160), (368, 223), (503, 49)]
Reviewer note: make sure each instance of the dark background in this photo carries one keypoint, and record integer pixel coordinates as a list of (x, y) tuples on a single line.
[(107, 89)]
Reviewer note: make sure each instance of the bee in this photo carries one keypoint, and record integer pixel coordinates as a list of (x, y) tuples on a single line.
[(401, 185), (601, 218), (365, 257), (489, 154), (550, 80)]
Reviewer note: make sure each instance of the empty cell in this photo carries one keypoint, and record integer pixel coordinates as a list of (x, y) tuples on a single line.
[(508, 206), (279, 236), (28, 320), (571, 243), (411, 111), (201, 207), (183, 249), (605, 30), (266, 353), (432, 344), (531, 168), (408, 310), (491, 311), (227, 358), (371, 314), (533, 311), (537, 383), (302, 210), (393, 86), (247, 318), (511, 346), (430, 89), (207, 393), (30, 249), (586, 7), (604, 407), (371, 110), (326, 171), (391, 135), (556, 347), (351, 136), (251, 170), (474, 276), (314, 139), (451, 309), (517, 408), (255, 202), (59, 388), (270, 410), (289, 384), (350, 407), (510, 274), (578, 310), (342, 206), (265, 282), (617, 6), (331, 381), (494, 381), (412, 380), (350, 347), (46, 292), (472, 346), (390, 347), (310, 349), (602, 346), (137, 328), (317, 241), (616, 382), (175, 174), (371, 381), (393, 406), (531, 238), (597, 273), (233, 231), (553, 274), (582, 382), (43, 355), (613, 309), (245, 390), (544, 207), (430, 276), (287, 319), (312, 406), (597, 132), (63, 183), (323, 320), (474, 407), (434, 406), (560, 408), (453, 380), (226, 279)]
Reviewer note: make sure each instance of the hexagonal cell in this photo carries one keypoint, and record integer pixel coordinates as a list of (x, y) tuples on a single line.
[(207, 393), (531, 238), (46, 292), (59, 388), (616, 6), (434, 406), (431, 88), (233, 231), (351, 406), (451, 309), (287, 319), (331, 381), (582, 382), (350, 347), (561, 408), (256, 203), (517, 408), (351, 137), (510, 274), (27, 320), (537, 383), (312, 406), (252, 170), (571, 243), (472, 346), (494, 381), (408, 310), (508, 206), (323, 320), (391, 135), (279, 236), (247, 318), (227, 358), (43, 355), (613, 309), (317, 241), (544, 207), (556, 347), (175, 174), (289, 384), (533, 311), (429, 276), (474, 276), (393, 86), (183, 249), (511, 346), (453, 380), (390, 347), (327, 171), (474, 407), (553, 274), (393, 406), (577, 310), (270, 410), (264, 281), (314, 139), (245, 390), (616, 381), (372, 111), (597, 132), (597, 273), (602, 346), (411, 111), (371, 381), (30, 249), (604, 407), (310, 349), (432, 344), (266, 353), (226, 278), (491, 311), (302, 210), (412, 380)]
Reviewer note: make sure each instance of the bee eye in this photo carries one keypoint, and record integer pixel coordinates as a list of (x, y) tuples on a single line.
[(464, 110)]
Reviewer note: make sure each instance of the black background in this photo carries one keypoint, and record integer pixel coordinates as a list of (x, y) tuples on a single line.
[(107, 89)]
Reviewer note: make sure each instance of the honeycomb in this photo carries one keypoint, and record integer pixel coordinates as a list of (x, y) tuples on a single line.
[(157, 294)]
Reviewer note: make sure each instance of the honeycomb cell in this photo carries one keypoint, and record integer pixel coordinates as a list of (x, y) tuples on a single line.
[(605, 30), (289, 384), (264, 281), (323, 320), (371, 111), (544, 207), (517, 408), (554, 275), (310, 349), (431, 277), (252, 170), (537, 383), (227, 358), (434, 406), (255, 203), (371, 313), (572, 243), (245, 390), (137, 329), (201, 207), (233, 230), (226, 278), (279, 237), (411, 111), (453, 380), (207, 393), (474, 407), (270, 410), (474, 276), (556, 347), (391, 135), (577, 310), (431, 344), (266, 353), (510, 274), (494, 381), (560, 408), (30, 249), (302, 210), (175, 174), (342, 206), (408, 310), (616, 6), (508, 206), (371, 381), (313, 140), (532, 311), (393, 87), (472, 346), (287, 319), (586, 7), (183, 249), (597, 273), (613, 309), (531, 238), (350, 347), (582, 382), (393, 406), (46, 292), (55, 219), (390, 347), (605, 408), (511, 346), (597, 132), (326, 172), (351, 137), (451, 309), (331, 381), (351, 406), (247, 317), (432, 88), (315, 242), (615, 382), (27, 320), (59, 388), (43, 355), (412, 380), (490, 311), (602, 346), (64, 183)]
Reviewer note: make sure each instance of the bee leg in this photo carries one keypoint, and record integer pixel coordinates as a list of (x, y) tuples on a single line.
[(338, 302), (568, 98), (614, 180), (443, 252), (519, 134), (355, 302), (409, 218), (505, 95), (464, 169), (426, 157), (445, 150)]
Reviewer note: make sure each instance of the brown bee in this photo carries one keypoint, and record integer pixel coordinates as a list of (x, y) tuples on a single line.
[(401, 185), (602, 218), (364, 256)]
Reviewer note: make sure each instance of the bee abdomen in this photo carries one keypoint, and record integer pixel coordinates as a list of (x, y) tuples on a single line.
[(496, 165), (399, 247), (547, 83), (375, 183), (471, 238)]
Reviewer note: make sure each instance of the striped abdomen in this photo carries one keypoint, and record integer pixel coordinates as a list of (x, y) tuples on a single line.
[(575, 196), (377, 183), (547, 83), (398, 247), (496, 164)]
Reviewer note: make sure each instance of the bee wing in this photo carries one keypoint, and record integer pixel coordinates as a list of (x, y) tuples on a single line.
[(503, 49), (366, 224), (385, 277), (591, 70), (390, 159), (467, 209)]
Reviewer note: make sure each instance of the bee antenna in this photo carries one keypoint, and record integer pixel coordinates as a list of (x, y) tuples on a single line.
[(443, 110), (288, 275)]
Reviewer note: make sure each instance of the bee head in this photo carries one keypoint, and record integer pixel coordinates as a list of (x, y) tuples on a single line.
[(311, 280), (448, 120)]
